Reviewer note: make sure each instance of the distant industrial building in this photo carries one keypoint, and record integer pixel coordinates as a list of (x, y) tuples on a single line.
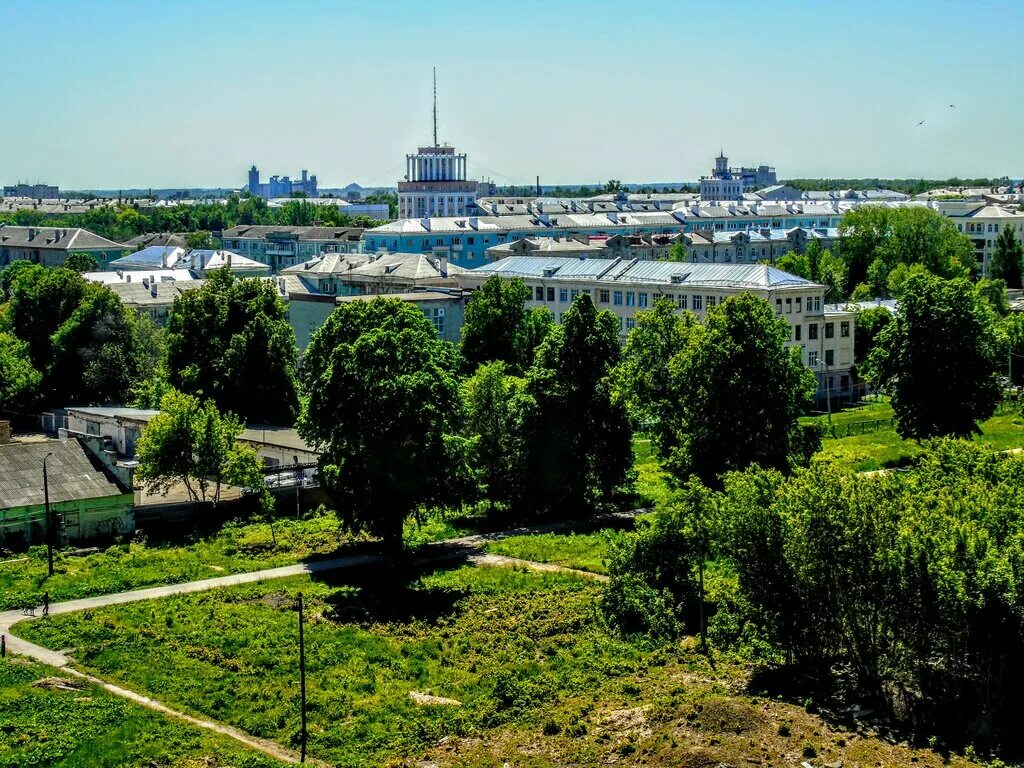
[(35, 191), (281, 186), (727, 183)]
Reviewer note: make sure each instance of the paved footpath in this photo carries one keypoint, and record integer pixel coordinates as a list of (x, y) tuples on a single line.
[(451, 549)]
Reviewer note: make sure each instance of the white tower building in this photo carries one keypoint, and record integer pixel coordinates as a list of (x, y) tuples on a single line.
[(435, 181)]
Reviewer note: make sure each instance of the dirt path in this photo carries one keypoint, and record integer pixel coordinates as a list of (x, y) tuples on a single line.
[(461, 548)]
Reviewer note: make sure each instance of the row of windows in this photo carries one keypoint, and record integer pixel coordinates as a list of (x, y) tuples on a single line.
[(830, 331), (813, 304)]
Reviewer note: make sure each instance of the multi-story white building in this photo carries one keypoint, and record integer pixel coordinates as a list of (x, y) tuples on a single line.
[(435, 184), (727, 183), (626, 287), (982, 222)]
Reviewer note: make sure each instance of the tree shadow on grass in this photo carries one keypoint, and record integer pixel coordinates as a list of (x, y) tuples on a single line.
[(390, 593)]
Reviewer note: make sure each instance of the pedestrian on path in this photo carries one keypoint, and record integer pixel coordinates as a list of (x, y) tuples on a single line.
[(46, 603)]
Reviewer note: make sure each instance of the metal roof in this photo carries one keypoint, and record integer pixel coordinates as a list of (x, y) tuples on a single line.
[(72, 474), (738, 276)]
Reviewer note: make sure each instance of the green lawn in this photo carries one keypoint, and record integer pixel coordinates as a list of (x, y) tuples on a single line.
[(538, 678), (874, 446), (585, 551), (235, 548), (89, 728), (652, 481)]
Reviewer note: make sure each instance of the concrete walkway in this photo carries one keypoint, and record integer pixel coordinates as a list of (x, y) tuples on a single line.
[(462, 548)]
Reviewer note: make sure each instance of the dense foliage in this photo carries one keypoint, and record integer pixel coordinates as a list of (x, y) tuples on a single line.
[(719, 396), (193, 444), (231, 341), (498, 326), (384, 410), (122, 222), (888, 589), (880, 245), (1007, 259), (939, 359), (68, 341)]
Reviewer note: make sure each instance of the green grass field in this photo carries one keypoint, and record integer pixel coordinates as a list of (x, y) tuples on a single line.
[(530, 673), (584, 551), (89, 728), (234, 548), (877, 446)]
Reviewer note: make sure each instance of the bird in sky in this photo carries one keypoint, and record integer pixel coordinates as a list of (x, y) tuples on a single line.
[(921, 123), (953, 106)]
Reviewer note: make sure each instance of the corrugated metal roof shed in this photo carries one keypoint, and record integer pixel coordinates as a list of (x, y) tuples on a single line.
[(71, 472)]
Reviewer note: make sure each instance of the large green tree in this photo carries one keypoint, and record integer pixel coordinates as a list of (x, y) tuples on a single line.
[(741, 391), (1007, 259), (875, 240), (939, 359), (19, 380), (494, 407), (383, 409), (192, 444), (643, 379), (88, 347), (578, 441), (499, 327), (231, 341)]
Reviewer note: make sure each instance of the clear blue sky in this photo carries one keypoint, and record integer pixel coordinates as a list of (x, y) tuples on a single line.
[(102, 93)]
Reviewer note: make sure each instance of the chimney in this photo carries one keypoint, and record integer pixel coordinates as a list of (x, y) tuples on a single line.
[(152, 288), (443, 266), (229, 252)]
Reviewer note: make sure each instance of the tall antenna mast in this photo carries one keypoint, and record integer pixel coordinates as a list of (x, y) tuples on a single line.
[(435, 106)]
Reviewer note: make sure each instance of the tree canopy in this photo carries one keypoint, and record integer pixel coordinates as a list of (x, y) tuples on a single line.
[(939, 359), (1007, 259), (231, 341), (578, 450), (193, 444), (876, 240), (384, 409), (499, 327), (740, 393)]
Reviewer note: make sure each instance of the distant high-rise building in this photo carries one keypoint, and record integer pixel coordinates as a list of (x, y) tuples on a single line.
[(36, 191), (281, 186), (727, 183), (435, 182)]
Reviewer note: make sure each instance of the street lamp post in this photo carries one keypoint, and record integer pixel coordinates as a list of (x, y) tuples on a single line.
[(49, 517)]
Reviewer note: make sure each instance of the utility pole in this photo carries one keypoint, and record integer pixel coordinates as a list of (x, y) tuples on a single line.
[(49, 517), (302, 682)]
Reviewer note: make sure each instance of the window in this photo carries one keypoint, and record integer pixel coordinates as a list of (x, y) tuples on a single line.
[(92, 427), (844, 382), (711, 301), (844, 328), (630, 299), (799, 305), (469, 241), (789, 306), (810, 303), (797, 329), (641, 299), (574, 293), (630, 323), (778, 306), (617, 296), (696, 303), (817, 303), (681, 301), (539, 294), (812, 331), (603, 296), (830, 357), (830, 330), (551, 293), (563, 295), (812, 359)]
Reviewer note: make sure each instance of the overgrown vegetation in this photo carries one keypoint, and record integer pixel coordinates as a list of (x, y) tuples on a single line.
[(63, 723), (522, 668)]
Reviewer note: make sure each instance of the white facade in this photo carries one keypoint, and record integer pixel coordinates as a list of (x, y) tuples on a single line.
[(435, 184)]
